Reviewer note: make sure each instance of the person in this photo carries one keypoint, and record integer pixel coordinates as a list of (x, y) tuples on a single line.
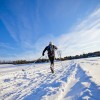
[(51, 54)]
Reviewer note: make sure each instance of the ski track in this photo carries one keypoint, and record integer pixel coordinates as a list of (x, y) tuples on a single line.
[(72, 80)]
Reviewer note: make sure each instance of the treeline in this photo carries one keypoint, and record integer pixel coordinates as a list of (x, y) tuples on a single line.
[(87, 55), (24, 61)]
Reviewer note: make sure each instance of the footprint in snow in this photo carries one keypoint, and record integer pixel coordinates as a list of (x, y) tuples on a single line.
[(6, 80)]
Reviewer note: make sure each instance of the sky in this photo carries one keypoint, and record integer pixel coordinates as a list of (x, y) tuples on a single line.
[(27, 26)]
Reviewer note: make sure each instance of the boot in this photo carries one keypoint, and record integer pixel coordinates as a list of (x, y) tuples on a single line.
[(52, 70)]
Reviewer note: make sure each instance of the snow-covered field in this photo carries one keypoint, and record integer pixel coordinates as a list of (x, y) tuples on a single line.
[(72, 80)]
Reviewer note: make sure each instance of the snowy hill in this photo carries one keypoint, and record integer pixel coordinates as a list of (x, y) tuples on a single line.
[(72, 80)]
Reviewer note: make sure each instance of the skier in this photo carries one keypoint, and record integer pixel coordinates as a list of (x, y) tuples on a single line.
[(51, 54)]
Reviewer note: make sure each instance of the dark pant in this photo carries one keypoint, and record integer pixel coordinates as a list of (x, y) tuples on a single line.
[(51, 58)]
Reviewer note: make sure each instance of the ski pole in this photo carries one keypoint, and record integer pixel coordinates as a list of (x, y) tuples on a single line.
[(32, 63), (37, 60)]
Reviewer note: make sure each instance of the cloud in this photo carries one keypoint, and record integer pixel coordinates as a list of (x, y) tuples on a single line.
[(21, 20), (6, 46), (9, 23), (84, 37), (4, 49)]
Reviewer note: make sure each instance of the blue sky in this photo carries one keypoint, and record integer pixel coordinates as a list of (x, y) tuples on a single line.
[(26, 27)]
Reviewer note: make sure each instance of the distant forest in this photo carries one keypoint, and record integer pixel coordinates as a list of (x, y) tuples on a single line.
[(87, 55)]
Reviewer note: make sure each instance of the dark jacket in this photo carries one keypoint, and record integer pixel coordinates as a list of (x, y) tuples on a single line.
[(51, 50)]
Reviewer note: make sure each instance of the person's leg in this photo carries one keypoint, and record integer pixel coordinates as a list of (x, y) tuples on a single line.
[(52, 61), (52, 64)]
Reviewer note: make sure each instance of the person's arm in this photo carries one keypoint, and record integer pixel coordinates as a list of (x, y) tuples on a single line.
[(44, 51)]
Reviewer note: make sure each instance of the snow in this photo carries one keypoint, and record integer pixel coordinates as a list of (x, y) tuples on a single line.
[(72, 80)]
